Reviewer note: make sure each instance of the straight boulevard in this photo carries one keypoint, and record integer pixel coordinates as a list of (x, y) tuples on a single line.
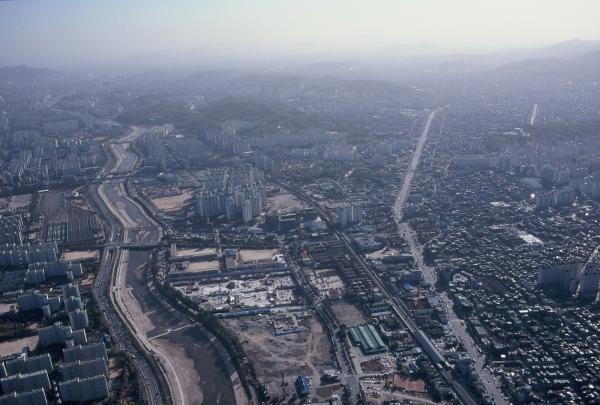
[(456, 326), (398, 306)]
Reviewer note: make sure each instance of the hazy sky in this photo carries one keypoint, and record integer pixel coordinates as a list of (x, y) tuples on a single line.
[(66, 32)]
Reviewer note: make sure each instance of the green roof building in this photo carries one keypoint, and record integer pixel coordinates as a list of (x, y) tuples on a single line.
[(367, 337)]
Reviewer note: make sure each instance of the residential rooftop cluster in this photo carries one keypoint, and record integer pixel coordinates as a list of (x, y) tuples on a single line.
[(322, 235)]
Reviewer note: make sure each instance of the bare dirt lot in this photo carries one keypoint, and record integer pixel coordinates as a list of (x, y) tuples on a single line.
[(348, 314), (78, 255), (15, 346), (15, 202), (284, 202), (251, 255), (173, 203), (328, 391), (377, 391), (5, 308), (203, 266), (194, 252), (305, 353), (409, 384), (372, 366)]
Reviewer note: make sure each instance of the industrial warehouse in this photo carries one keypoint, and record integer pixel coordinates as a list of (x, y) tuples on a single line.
[(367, 337)]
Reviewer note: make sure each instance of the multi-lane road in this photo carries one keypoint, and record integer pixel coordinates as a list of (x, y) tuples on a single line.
[(490, 382), (178, 348), (533, 115), (121, 330), (397, 305), (133, 225), (122, 338), (412, 168), (455, 325), (137, 227)]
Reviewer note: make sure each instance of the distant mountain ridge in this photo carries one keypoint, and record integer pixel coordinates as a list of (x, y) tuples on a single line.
[(22, 73), (568, 49), (392, 62), (579, 67)]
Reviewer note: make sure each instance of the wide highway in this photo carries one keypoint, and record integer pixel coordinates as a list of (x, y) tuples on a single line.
[(167, 336), (123, 338), (135, 226)]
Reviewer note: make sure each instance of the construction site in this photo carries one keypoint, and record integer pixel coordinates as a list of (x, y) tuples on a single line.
[(280, 358), (234, 295), (255, 295)]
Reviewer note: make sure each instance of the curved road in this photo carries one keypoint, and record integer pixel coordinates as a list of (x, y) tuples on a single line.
[(103, 292), (194, 370), (137, 227)]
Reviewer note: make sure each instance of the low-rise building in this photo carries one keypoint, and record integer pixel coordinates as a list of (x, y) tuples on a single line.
[(367, 337)]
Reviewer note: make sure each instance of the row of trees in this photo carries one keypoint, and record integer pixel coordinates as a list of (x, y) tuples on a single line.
[(230, 341)]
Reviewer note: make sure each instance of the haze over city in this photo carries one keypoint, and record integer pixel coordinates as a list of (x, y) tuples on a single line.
[(67, 33), (299, 202)]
